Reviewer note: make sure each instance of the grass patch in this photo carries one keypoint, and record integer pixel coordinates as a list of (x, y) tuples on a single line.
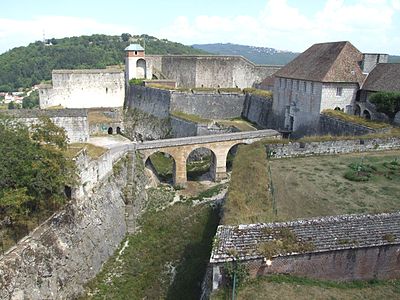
[(167, 259), (355, 119), (248, 199), (56, 107), (240, 124), (321, 177), (258, 92), (287, 287), (229, 90), (93, 151), (98, 117), (285, 241), (190, 117)]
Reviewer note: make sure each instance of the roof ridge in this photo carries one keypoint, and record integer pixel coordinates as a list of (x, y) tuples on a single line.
[(336, 59)]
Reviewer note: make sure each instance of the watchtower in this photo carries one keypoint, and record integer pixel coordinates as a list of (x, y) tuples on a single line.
[(135, 63)]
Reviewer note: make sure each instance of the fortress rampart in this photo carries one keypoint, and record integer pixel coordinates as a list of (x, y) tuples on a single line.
[(84, 89), (209, 70)]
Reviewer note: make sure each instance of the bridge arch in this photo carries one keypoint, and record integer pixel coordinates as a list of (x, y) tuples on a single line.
[(161, 165), (201, 163)]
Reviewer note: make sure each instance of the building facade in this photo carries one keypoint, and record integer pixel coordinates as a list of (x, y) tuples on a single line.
[(325, 76)]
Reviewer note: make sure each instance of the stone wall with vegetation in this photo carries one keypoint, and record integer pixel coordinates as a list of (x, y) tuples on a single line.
[(313, 146), (336, 126), (67, 250)]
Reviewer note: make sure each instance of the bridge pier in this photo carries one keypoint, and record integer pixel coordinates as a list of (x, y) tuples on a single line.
[(219, 170), (180, 178)]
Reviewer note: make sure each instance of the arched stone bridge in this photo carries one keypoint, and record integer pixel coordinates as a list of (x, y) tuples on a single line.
[(218, 144)]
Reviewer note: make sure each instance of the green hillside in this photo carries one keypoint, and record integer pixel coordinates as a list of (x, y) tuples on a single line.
[(26, 66), (258, 55)]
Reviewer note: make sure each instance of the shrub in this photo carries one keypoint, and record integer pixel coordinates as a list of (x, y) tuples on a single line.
[(136, 81), (386, 102)]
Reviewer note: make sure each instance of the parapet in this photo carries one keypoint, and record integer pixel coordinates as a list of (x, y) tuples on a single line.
[(87, 71), (51, 113)]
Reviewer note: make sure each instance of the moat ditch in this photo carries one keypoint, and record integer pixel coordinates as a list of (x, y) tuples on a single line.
[(167, 258)]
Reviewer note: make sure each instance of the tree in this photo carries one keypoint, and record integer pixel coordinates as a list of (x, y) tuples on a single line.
[(13, 204), (125, 37), (386, 102), (46, 132), (12, 105), (35, 161), (31, 101)]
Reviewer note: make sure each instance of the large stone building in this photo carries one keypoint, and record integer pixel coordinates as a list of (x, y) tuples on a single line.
[(325, 76)]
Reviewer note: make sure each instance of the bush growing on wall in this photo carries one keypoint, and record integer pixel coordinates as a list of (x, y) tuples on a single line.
[(386, 102)]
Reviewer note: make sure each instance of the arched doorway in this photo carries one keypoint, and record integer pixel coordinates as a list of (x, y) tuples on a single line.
[(110, 130), (367, 114), (201, 165), (357, 111), (231, 155), (118, 130), (162, 166), (141, 68), (337, 108)]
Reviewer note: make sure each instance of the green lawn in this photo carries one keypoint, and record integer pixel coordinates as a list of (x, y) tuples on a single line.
[(316, 186), (284, 287)]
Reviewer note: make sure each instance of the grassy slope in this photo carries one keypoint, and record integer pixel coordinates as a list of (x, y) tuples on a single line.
[(315, 186), (166, 259), (248, 199)]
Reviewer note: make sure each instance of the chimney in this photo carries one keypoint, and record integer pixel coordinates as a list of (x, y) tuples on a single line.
[(370, 60)]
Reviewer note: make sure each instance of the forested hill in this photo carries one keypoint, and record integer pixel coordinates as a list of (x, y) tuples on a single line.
[(26, 66), (258, 55)]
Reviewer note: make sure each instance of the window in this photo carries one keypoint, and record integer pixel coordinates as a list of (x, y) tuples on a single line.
[(305, 86), (297, 84), (284, 83), (293, 82), (280, 82), (339, 91), (312, 87)]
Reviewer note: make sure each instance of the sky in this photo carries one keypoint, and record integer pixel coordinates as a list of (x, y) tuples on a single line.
[(370, 25)]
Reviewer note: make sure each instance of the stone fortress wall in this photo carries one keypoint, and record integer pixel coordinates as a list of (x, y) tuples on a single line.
[(210, 105), (84, 89), (67, 250), (74, 121), (209, 70)]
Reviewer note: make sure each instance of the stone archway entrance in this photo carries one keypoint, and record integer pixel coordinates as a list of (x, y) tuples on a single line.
[(367, 114), (141, 68)]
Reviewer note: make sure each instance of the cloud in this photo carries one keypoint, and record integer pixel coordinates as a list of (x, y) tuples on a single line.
[(369, 24), (21, 32)]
